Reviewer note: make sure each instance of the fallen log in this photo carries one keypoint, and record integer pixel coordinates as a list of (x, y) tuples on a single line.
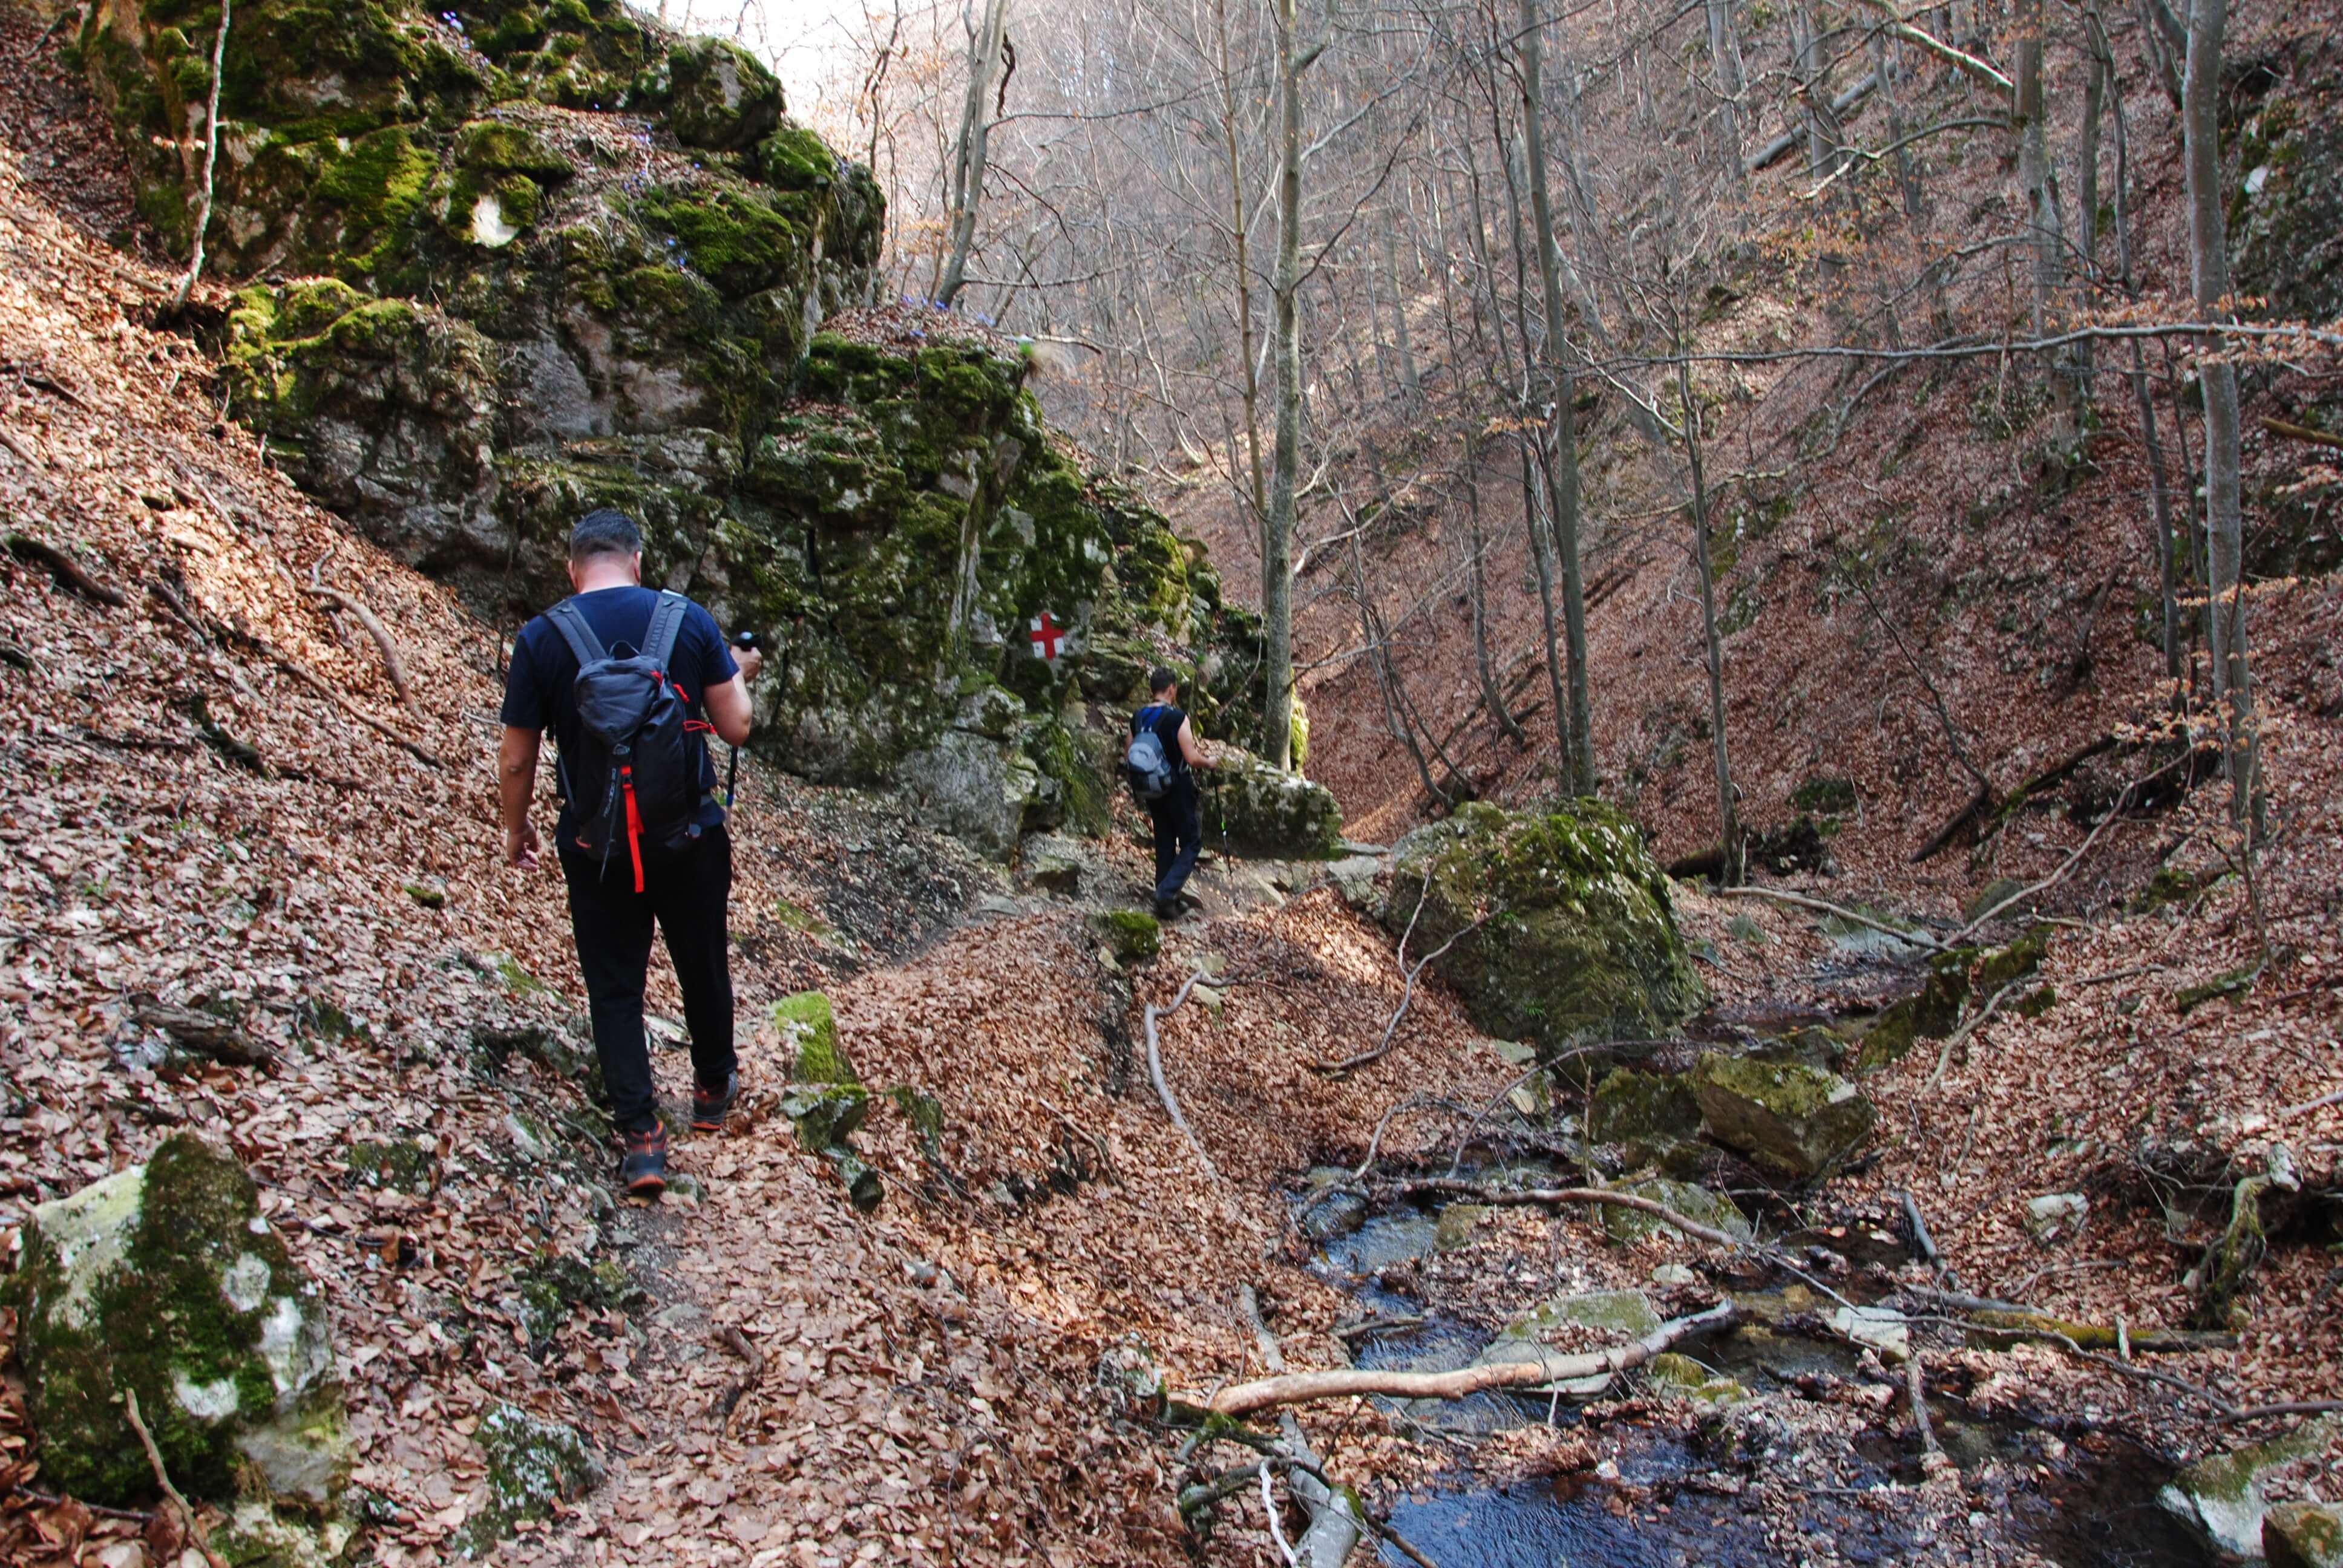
[(2294, 432), (2024, 1322), (207, 1033), (1294, 1388), (1918, 938)]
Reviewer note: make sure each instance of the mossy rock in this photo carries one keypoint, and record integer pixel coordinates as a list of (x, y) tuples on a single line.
[(553, 1285), (1253, 807), (1798, 1120), (1825, 795), (400, 1164), (533, 1464), (1132, 936), (257, 1535), (2221, 1495), (163, 1280), (1578, 936), (719, 96), (1682, 1375), (2002, 966), (1641, 1111), (1932, 1014), (1625, 1314), (2172, 885), (809, 1030), (1696, 1203), (2303, 1535)]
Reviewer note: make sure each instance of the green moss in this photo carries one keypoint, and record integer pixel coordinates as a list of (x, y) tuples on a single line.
[(1578, 935), (175, 1283), (809, 1029), (1645, 1110), (1083, 792), (1683, 1375), (553, 1285), (2003, 965), (401, 1165), (719, 96), (1132, 936), (1932, 1014), (1696, 1203), (1825, 794), (518, 980), (1796, 1119), (740, 240), (2236, 982), (532, 1463), (2172, 885), (796, 159), (363, 197), (498, 146)]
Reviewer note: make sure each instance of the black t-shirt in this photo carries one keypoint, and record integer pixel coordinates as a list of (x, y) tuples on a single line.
[(1165, 718), (540, 688)]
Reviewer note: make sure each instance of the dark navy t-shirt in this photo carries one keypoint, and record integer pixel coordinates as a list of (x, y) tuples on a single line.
[(539, 689)]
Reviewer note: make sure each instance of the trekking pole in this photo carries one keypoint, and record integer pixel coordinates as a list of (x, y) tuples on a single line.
[(745, 640)]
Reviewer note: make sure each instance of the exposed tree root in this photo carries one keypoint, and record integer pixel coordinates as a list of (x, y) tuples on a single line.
[(64, 568)]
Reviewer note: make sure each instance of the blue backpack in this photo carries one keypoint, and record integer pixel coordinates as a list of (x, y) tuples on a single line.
[(1145, 764)]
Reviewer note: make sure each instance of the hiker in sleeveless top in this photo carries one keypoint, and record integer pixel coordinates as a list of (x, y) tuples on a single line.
[(1164, 778), (632, 682)]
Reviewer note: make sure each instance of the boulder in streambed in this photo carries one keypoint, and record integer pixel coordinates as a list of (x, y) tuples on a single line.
[(164, 1280), (1796, 1119), (2303, 1535), (2221, 1495), (1626, 1313), (1577, 938), (1696, 1203), (1643, 1116)]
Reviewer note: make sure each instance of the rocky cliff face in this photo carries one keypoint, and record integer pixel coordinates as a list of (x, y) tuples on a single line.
[(501, 264)]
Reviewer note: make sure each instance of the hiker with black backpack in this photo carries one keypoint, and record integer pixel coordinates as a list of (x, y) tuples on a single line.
[(632, 682), (1161, 765)]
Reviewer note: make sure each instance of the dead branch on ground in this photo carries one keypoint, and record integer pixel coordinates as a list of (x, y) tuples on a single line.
[(1803, 903), (1553, 1197), (733, 1339), (64, 568), (1408, 973), (391, 662), (195, 1526), (1163, 1087), (2294, 432), (207, 1033), (315, 682), (1294, 1388)]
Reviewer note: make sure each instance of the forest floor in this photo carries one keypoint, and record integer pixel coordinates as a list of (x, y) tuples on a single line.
[(211, 792)]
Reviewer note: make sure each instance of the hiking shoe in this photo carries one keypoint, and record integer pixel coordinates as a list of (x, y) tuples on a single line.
[(1167, 909), (710, 1107), (642, 1168)]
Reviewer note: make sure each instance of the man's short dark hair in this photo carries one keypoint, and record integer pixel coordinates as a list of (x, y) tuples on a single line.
[(1161, 678), (604, 533)]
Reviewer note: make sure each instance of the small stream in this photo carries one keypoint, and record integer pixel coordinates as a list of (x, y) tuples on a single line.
[(1674, 1496)]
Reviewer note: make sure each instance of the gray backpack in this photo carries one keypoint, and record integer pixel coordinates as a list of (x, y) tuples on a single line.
[(1145, 764), (633, 739)]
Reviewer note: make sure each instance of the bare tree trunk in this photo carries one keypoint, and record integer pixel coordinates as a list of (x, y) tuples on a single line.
[(1907, 174), (1822, 126), (2159, 495), (969, 151), (2045, 232), (2095, 103), (1409, 383), (1725, 65), (1728, 817), (1562, 470), (1239, 229), (2208, 272), (1277, 531), (178, 300)]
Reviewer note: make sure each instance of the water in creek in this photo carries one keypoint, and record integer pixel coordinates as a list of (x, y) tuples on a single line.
[(1659, 1502)]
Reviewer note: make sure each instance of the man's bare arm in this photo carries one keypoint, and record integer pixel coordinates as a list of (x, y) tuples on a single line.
[(729, 709), (516, 783), (1192, 748)]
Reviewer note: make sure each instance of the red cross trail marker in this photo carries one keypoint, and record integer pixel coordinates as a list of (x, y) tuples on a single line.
[(1045, 637)]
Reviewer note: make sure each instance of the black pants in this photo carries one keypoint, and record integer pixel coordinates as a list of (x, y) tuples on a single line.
[(685, 893), (1178, 820)]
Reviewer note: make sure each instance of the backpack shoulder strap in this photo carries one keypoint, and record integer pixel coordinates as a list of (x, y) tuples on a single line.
[(667, 621), (571, 624)]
